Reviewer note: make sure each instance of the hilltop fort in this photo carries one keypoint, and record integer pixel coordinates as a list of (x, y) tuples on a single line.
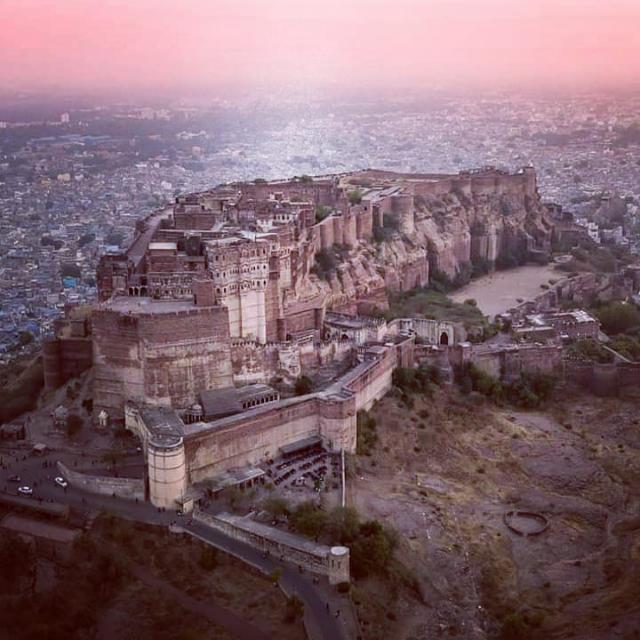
[(235, 288)]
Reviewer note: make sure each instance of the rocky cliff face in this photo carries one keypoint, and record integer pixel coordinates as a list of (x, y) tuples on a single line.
[(450, 233), (500, 228), (360, 281)]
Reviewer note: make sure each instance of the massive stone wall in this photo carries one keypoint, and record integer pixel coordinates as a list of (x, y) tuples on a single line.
[(432, 331), (65, 358), (604, 379), (158, 357), (253, 436), (322, 191), (509, 362), (250, 438)]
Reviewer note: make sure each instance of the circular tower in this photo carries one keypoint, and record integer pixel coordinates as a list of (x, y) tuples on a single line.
[(166, 467)]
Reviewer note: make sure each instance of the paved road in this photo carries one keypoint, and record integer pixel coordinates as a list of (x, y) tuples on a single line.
[(322, 622)]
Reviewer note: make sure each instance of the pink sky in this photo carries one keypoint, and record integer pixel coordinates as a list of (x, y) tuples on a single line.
[(357, 43)]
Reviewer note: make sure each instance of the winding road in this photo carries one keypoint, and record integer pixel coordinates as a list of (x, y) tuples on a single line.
[(323, 621)]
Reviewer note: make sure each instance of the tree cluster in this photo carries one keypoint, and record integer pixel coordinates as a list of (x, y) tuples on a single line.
[(322, 212), (72, 608), (355, 197), (303, 385), (588, 350), (416, 380), (370, 543), (618, 317), (528, 391), (366, 433)]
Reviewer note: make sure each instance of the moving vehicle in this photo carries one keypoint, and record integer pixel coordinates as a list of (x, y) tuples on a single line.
[(61, 482), (25, 491)]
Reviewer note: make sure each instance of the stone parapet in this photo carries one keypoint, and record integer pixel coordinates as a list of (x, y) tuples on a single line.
[(128, 488), (332, 562)]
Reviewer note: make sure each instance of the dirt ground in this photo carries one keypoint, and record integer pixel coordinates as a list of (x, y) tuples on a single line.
[(445, 472), (500, 290), (176, 560), (169, 587)]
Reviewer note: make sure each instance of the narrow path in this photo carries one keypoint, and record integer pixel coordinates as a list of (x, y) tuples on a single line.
[(321, 620), (321, 605)]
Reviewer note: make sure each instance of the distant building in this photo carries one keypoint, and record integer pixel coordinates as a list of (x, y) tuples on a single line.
[(593, 231), (566, 325)]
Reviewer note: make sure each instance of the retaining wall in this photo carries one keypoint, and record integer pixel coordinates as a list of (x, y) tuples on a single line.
[(128, 488), (332, 562)]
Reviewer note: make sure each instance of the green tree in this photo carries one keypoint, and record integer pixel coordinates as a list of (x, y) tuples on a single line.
[(343, 525), (276, 506), (372, 550), (618, 317), (303, 385), (325, 263), (275, 575), (308, 519), (355, 197), (628, 346), (322, 212)]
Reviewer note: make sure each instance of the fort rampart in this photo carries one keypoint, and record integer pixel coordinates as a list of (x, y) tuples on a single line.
[(162, 356), (251, 437), (604, 379), (65, 358), (332, 562), (509, 362)]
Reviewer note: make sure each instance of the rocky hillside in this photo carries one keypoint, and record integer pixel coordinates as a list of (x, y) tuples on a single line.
[(449, 235)]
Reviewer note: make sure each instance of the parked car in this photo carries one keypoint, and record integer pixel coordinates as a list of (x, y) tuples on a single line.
[(14, 478), (61, 482), (25, 491)]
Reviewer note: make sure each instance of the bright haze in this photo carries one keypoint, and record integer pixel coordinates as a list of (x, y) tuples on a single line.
[(377, 44)]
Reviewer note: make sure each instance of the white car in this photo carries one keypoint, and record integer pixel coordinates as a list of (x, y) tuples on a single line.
[(25, 491), (61, 482)]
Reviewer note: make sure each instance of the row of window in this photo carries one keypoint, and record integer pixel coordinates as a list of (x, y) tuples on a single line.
[(244, 270), (168, 282), (243, 254), (256, 403), (246, 286)]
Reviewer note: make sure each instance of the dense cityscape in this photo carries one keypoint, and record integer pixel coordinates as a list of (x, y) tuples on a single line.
[(74, 181)]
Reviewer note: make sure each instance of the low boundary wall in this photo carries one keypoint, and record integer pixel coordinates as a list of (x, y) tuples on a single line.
[(332, 562), (128, 488)]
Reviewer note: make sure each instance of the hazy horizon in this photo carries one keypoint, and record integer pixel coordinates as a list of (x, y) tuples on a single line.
[(211, 46)]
